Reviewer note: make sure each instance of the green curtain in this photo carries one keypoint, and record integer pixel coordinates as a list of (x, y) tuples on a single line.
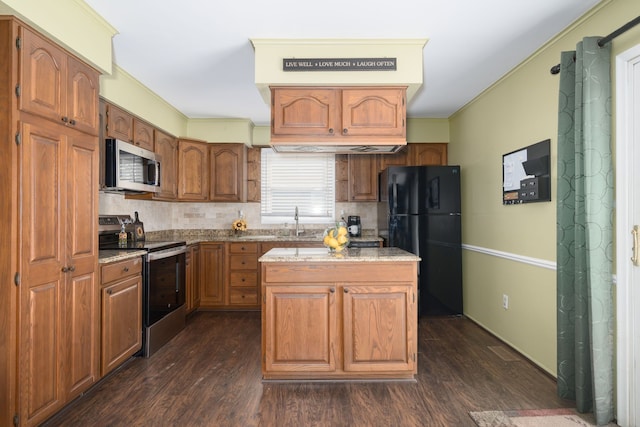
[(585, 231)]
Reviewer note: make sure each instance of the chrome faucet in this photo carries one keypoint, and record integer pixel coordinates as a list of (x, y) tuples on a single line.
[(296, 218)]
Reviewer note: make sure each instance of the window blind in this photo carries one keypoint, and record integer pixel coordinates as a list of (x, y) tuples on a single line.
[(305, 181)]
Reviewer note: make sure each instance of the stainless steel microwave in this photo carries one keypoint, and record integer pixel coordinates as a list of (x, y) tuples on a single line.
[(130, 168)]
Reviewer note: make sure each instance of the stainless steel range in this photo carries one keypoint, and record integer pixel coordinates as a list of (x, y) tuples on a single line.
[(163, 279)]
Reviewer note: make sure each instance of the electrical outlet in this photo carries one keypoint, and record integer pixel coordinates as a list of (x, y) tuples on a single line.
[(505, 301)]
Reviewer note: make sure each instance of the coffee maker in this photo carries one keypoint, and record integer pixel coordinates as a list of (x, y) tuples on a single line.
[(353, 225)]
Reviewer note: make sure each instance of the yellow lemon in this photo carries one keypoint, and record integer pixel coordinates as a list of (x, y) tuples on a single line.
[(342, 231), (326, 239), (333, 242), (342, 239), (339, 248)]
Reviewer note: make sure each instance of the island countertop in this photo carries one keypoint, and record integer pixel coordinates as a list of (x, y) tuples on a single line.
[(349, 255)]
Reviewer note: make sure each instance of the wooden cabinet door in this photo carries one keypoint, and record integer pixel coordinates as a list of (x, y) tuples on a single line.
[(193, 170), (227, 169), (342, 178), (192, 277), (373, 112), (82, 289), (305, 111), (426, 154), (301, 329), (42, 293), (119, 124), (212, 275), (42, 77), (166, 147), (254, 174), (378, 334), (400, 158), (143, 134), (82, 97), (121, 322), (363, 177)]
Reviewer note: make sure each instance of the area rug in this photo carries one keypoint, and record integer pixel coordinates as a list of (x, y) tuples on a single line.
[(564, 417)]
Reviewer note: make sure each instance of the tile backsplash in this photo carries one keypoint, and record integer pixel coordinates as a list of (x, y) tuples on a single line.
[(158, 216)]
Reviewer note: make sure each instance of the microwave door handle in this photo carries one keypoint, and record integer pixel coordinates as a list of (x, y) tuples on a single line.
[(157, 183)]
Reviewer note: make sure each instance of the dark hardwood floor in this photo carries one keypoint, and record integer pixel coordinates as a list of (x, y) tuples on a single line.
[(209, 375)]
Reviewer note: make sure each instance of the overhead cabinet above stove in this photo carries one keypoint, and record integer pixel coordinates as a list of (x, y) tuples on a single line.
[(326, 117)]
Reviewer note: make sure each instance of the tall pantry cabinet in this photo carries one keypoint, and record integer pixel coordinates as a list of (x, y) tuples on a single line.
[(49, 292)]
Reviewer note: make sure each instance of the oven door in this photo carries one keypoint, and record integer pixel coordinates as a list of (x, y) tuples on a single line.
[(165, 283)]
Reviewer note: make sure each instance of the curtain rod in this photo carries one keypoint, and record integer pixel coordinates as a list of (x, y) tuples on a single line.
[(607, 39)]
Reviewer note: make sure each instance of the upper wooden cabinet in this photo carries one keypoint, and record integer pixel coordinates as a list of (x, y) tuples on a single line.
[(309, 114), (143, 135), (119, 124), (363, 177), (193, 170), (55, 85), (166, 147), (428, 154), (227, 172), (124, 126), (254, 178)]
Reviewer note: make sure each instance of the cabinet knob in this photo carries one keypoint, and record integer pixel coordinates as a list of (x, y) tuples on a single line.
[(345, 131), (65, 119), (331, 131), (346, 291), (72, 268), (332, 290), (243, 279), (65, 269), (126, 269), (110, 291), (72, 122)]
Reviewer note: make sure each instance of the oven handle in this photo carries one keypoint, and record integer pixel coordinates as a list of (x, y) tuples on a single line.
[(152, 256)]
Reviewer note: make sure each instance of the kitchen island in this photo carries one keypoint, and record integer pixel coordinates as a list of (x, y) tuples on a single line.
[(339, 316)]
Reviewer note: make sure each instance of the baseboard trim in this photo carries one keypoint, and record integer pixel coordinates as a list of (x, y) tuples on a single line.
[(537, 262)]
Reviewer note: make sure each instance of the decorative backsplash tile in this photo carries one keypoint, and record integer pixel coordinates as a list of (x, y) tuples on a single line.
[(159, 216)]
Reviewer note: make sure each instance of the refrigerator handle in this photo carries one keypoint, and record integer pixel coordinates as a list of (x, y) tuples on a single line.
[(394, 197)]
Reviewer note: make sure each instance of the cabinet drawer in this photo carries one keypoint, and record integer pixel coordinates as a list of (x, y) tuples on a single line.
[(243, 248), (243, 278), (243, 296), (117, 270), (243, 262)]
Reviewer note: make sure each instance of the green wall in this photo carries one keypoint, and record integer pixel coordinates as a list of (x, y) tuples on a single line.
[(511, 249)]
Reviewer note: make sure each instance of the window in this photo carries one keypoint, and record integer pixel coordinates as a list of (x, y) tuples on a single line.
[(305, 181)]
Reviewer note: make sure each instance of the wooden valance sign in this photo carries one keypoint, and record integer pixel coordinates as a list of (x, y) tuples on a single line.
[(339, 64)]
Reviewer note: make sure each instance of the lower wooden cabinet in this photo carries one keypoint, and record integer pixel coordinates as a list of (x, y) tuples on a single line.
[(339, 320), (192, 277), (212, 275), (121, 319), (229, 273)]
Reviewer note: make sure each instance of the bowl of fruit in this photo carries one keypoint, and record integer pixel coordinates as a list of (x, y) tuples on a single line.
[(336, 238)]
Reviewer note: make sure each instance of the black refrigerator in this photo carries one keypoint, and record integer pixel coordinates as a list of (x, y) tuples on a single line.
[(419, 211)]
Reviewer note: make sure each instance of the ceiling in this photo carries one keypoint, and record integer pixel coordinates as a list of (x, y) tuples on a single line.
[(197, 54)]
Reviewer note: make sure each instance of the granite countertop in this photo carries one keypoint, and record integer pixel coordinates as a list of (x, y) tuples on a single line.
[(348, 255), (106, 256), (267, 238)]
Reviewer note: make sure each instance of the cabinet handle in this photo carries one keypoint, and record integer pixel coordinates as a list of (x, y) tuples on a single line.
[(331, 131), (345, 131), (65, 269), (65, 119), (126, 269), (242, 279), (346, 291), (332, 290), (72, 122), (72, 268), (110, 291)]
